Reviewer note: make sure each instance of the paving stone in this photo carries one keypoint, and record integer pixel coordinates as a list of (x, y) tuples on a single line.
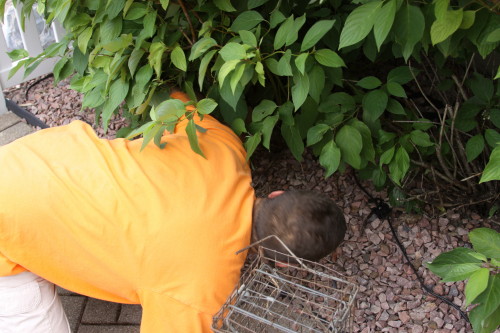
[(7, 120), (64, 292), (14, 132), (130, 314), (108, 329), (100, 312), (73, 306)]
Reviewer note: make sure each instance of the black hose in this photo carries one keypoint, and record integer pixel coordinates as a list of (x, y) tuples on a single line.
[(383, 211), (20, 112)]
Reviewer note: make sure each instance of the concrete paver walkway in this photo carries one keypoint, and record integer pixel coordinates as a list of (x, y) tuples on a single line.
[(85, 314)]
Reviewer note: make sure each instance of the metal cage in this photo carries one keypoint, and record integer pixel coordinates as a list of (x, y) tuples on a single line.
[(280, 292)]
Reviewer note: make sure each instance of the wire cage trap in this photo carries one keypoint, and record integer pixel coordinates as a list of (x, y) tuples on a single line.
[(280, 292)]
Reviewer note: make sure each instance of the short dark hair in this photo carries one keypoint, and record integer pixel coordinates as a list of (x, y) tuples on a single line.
[(310, 224)]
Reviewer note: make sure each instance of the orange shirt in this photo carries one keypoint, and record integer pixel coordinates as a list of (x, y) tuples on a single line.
[(157, 227)]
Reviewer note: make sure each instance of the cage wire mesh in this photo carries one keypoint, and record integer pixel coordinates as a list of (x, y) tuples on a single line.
[(279, 292)]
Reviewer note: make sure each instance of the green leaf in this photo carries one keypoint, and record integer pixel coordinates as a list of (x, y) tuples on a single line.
[(203, 67), (293, 35), (236, 76), (330, 158), (238, 126), (248, 38), (267, 129), (18, 54), (224, 5), (379, 177), (110, 29), (328, 58), (114, 7), (285, 112), (193, 138), (251, 143), (401, 75), (489, 305), (233, 51), (316, 82), (58, 67), (140, 130), (395, 89), (255, 3), (486, 241), (444, 27), (455, 265), (151, 132), (293, 140), (384, 137), (246, 20), (474, 147), (492, 137), (117, 93), (394, 107), (420, 138), (411, 24), (276, 18), (300, 89), (178, 58), (200, 47), (492, 169), (282, 33), (156, 51), (315, 33), (139, 91), (383, 22), (259, 69), (135, 58), (399, 165), (387, 156), (83, 39), (350, 142), (226, 68), (477, 283), (264, 109), (369, 82), (206, 106), (164, 4), (136, 11), (168, 111), (284, 68), (334, 101), (367, 152), (316, 133), (493, 36), (359, 23), (374, 103), (300, 62), (468, 19), (482, 87), (495, 117)]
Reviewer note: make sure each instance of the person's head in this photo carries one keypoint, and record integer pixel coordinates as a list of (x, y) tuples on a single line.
[(310, 224)]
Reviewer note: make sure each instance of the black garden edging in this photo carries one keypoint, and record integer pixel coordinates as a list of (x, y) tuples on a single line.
[(20, 112)]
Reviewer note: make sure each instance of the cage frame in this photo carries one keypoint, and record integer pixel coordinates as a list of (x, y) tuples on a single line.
[(263, 273)]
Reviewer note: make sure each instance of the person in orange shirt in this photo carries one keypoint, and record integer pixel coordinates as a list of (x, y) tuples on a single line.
[(157, 227)]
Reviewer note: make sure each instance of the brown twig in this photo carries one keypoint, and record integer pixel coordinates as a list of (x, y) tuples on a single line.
[(186, 14), (448, 179), (422, 91), (458, 206)]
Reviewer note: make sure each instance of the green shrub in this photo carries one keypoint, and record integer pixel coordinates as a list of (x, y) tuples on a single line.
[(340, 77), (480, 267)]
